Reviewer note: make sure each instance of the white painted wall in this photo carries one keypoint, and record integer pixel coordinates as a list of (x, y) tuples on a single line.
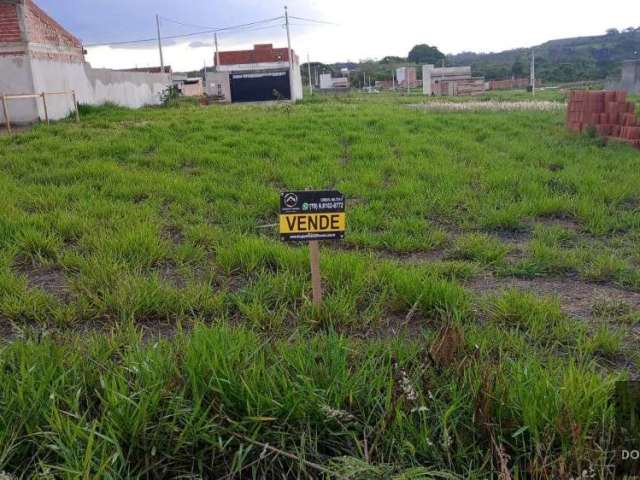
[(426, 79), (298, 90), (24, 74), (128, 89), (326, 82), (16, 78)]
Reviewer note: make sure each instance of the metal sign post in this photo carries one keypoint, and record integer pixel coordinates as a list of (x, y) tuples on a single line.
[(312, 216)]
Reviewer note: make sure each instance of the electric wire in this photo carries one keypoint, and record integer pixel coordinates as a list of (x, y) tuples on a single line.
[(245, 27), (184, 35)]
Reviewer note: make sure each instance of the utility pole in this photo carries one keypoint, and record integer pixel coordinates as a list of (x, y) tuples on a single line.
[(286, 17), (217, 55), (533, 72), (309, 68), (160, 44)]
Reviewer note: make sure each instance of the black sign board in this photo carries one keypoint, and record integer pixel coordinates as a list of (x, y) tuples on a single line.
[(312, 215)]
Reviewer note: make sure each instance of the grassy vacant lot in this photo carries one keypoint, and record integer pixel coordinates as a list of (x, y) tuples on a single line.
[(475, 319)]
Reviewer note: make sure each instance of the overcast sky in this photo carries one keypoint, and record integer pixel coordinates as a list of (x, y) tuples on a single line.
[(366, 29)]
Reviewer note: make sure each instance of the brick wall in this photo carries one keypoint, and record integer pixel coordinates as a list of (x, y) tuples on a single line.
[(46, 38), (9, 24), (260, 54), (511, 83), (42, 28)]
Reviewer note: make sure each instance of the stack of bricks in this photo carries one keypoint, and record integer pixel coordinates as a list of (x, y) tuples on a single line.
[(608, 113)]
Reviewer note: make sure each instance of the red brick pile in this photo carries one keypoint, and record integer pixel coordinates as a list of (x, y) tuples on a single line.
[(608, 113)]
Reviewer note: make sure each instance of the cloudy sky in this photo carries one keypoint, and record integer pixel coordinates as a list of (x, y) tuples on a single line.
[(365, 28)]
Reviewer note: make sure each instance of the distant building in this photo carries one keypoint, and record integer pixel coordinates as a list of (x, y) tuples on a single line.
[(451, 81), (217, 86), (407, 76), (38, 55), (630, 79), (192, 87), (167, 69), (261, 74), (327, 82), (511, 83)]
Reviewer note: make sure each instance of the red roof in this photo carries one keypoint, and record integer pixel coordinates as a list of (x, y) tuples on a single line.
[(263, 53)]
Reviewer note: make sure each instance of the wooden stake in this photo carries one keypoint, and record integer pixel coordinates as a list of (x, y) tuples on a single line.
[(46, 111), (75, 104), (6, 113), (316, 282)]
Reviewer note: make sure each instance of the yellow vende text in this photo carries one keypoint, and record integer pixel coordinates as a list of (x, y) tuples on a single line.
[(312, 223)]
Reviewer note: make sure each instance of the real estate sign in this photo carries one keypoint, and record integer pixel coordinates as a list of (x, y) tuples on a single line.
[(312, 215)]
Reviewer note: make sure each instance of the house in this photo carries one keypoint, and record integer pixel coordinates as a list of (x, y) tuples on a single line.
[(512, 83), (217, 86), (192, 87), (167, 69), (261, 74), (327, 82), (451, 81), (39, 56), (407, 76)]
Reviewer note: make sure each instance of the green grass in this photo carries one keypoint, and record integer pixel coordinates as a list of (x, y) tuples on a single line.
[(133, 223)]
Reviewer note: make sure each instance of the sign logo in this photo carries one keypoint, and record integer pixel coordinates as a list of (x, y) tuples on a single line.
[(290, 200), (312, 215)]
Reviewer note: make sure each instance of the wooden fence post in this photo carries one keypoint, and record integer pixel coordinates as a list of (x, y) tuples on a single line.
[(46, 110), (6, 113), (75, 104), (316, 282)]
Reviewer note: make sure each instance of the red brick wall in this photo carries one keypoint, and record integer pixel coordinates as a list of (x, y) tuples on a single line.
[(42, 28), (511, 83), (260, 54), (9, 25)]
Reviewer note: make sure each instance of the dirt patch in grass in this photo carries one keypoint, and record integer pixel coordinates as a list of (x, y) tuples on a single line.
[(577, 297), (7, 333), (168, 273), (566, 222), (50, 280), (174, 234), (417, 258)]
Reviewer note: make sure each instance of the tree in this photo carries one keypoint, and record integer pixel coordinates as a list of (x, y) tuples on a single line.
[(425, 54), (391, 59), (613, 32), (518, 68)]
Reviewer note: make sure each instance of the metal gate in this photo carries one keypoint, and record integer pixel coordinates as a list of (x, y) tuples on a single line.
[(260, 87)]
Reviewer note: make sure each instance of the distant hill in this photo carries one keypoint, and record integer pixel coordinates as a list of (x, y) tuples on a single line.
[(566, 60)]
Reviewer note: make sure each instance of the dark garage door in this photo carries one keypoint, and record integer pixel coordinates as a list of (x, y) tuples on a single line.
[(259, 87)]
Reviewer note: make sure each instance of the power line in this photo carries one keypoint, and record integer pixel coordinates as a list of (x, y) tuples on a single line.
[(221, 29), (185, 35), (313, 21), (209, 30)]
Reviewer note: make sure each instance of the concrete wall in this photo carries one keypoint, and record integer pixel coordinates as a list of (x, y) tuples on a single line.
[(128, 89), (24, 74), (16, 78), (218, 85), (298, 90), (326, 82), (631, 76), (629, 80)]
